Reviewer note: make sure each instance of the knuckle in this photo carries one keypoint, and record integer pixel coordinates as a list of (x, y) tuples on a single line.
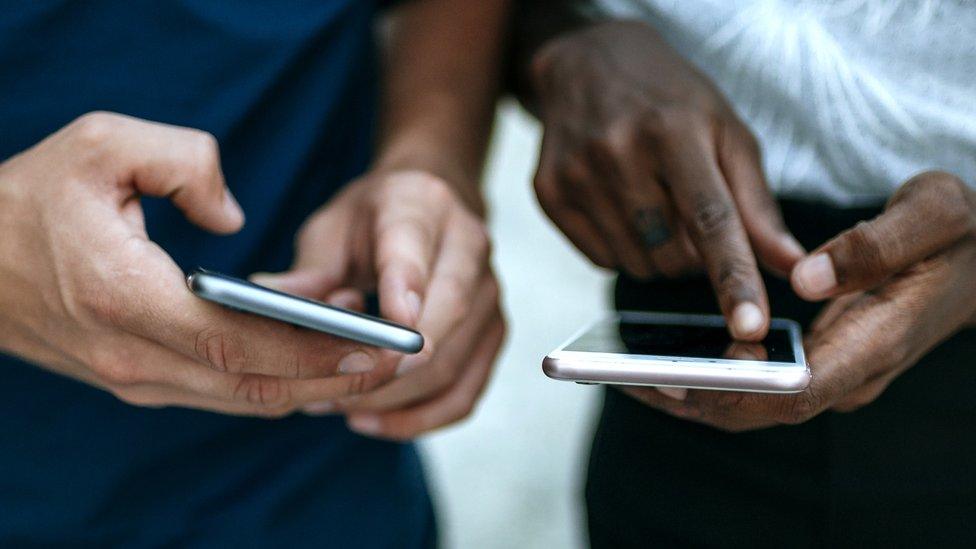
[(898, 352), (857, 403), (946, 200), (462, 408), (206, 154), (956, 211), (103, 307), (867, 251), (301, 365), (800, 408), (946, 186), (546, 188), (357, 384), (264, 392), (442, 374), (729, 401), (434, 188), (409, 228), (620, 135), (141, 399), (480, 240), (116, 370), (544, 62), (223, 351), (476, 232), (661, 124), (456, 307), (734, 280), (711, 218), (94, 128), (575, 169)]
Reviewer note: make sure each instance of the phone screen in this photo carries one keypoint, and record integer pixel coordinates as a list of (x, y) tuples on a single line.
[(682, 340)]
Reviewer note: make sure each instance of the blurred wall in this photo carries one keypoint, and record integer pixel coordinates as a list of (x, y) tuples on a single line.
[(511, 475)]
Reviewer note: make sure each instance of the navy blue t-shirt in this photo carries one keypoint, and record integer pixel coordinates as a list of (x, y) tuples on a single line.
[(288, 87)]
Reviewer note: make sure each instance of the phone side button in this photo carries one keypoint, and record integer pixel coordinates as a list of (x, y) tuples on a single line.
[(585, 383)]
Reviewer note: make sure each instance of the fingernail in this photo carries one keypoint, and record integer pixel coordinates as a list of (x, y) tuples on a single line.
[(747, 319), (816, 276), (413, 304), (233, 208), (677, 393), (367, 425), (356, 363), (319, 408)]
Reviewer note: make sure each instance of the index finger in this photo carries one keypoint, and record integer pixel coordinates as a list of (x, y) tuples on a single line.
[(407, 235), (460, 266), (708, 210)]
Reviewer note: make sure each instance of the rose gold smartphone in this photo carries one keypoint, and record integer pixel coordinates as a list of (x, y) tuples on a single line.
[(681, 350)]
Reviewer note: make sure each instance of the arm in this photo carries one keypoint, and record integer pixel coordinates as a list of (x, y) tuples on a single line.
[(410, 229), (442, 61)]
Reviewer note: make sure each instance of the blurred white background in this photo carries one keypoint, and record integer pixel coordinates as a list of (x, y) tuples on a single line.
[(511, 476)]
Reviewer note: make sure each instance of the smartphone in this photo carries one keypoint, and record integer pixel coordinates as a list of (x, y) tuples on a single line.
[(244, 296), (681, 350)]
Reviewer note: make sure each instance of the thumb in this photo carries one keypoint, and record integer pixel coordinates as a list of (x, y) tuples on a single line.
[(160, 160), (921, 219)]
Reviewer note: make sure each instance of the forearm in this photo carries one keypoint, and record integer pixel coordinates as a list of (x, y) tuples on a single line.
[(442, 68)]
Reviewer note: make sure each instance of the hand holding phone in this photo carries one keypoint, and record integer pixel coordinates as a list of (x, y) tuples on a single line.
[(682, 350), (102, 304), (407, 235)]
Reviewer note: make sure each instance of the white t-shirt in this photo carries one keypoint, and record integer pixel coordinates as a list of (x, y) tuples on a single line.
[(849, 98)]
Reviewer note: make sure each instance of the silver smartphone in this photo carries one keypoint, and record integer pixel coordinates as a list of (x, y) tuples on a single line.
[(681, 350), (244, 296)]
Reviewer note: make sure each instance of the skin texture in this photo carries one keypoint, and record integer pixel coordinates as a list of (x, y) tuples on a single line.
[(634, 135), (408, 236), (412, 229), (647, 169), (903, 283), (103, 304)]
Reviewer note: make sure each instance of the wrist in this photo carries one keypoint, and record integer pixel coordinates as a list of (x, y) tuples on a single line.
[(417, 153)]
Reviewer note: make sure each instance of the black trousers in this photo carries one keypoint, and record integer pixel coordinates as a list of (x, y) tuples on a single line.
[(900, 472)]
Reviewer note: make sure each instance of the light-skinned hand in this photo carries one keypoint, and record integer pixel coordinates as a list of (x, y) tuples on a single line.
[(85, 293)]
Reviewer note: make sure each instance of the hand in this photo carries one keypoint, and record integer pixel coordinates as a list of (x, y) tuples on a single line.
[(406, 235), (646, 168), (899, 285), (85, 293)]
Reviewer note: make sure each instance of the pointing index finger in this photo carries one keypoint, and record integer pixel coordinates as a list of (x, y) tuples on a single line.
[(407, 236), (708, 210)]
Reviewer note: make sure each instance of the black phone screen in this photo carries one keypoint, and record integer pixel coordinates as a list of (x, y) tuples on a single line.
[(682, 340)]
